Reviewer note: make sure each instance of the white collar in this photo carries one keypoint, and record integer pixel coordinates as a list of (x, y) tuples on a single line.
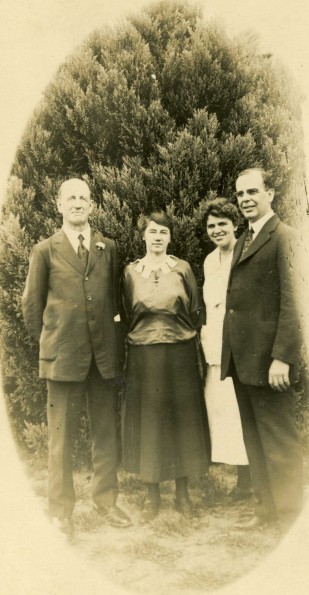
[(257, 225), (73, 234), (145, 267)]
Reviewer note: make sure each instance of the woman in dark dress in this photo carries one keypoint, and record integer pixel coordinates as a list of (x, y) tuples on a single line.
[(165, 430)]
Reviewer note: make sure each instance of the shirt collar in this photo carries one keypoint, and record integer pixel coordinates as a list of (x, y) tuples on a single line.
[(72, 236), (257, 225), (145, 268)]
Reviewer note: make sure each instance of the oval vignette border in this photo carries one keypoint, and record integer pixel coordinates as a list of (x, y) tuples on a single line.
[(36, 40)]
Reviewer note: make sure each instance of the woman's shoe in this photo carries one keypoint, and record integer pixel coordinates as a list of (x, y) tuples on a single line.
[(183, 505)]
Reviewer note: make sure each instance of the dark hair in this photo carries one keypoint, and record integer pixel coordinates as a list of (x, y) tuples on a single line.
[(266, 175), (221, 207), (159, 217)]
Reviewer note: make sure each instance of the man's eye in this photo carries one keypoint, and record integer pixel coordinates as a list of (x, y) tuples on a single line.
[(239, 194), (252, 191)]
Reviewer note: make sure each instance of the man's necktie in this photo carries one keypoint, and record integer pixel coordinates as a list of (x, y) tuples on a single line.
[(82, 251), (248, 240)]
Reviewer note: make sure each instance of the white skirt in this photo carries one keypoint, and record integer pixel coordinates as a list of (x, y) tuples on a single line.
[(227, 445)]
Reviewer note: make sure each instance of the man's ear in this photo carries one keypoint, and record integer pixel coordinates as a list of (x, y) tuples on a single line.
[(59, 206), (271, 194)]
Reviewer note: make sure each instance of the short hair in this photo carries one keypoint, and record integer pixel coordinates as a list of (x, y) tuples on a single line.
[(266, 175), (221, 207), (159, 217), (70, 180)]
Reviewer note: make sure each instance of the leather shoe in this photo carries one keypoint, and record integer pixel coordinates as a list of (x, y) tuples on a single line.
[(254, 522), (237, 495), (150, 510), (115, 516), (184, 506), (65, 525)]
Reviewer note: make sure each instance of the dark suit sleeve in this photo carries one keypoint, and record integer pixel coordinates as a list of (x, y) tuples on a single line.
[(125, 307), (196, 308), (288, 336), (119, 327), (115, 275), (35, 293)]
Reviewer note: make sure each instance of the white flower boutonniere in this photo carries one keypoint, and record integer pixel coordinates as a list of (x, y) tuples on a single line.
[(100, 245)]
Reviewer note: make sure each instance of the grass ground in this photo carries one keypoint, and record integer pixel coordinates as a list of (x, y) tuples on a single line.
[(170, 554)]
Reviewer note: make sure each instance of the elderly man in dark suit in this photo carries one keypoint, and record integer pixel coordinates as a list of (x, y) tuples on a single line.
[(261, 341), (70, 306)]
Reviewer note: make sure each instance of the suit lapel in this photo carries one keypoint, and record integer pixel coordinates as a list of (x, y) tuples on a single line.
[(63, 245), (95, 252), (261, 239), (236, 255), (238, 250)]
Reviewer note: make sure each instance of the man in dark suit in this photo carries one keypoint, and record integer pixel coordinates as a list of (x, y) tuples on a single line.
[(70, 306), (261, 341)]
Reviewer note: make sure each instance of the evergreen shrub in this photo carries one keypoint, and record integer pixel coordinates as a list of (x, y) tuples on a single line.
[(161, 112)]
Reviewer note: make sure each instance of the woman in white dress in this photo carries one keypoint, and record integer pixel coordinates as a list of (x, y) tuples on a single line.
[(227, 446)]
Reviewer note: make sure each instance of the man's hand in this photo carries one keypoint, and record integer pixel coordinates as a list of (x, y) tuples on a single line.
[(278, 375)]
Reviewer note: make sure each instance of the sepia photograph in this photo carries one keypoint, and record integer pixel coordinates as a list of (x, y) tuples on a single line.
[(154, 286)]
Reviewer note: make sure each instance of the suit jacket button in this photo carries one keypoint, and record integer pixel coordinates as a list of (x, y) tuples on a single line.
[(91, 319), (86, 278), (231, 311), (89, 298)]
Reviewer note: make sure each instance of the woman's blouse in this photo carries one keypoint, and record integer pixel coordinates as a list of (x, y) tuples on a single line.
[(216, 274), (161, 305)]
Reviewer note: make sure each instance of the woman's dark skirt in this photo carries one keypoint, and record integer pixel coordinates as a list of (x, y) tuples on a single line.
[(165, 429)]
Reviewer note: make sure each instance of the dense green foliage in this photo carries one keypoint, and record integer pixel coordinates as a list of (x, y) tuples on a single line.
[(160, 113)]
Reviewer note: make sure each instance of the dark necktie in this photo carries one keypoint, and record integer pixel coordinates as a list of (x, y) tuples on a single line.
[(82, 251), (248, 240)]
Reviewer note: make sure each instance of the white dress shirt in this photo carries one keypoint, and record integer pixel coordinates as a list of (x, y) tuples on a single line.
[(72, 236), (259, 224)]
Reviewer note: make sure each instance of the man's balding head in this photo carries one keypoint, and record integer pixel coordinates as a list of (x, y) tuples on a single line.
[(74, 203)]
